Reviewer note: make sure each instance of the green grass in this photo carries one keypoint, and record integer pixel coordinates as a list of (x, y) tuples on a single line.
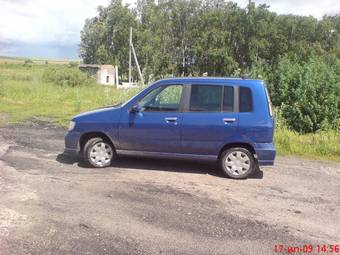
[(24, 94), (21, 60), (321, 145)]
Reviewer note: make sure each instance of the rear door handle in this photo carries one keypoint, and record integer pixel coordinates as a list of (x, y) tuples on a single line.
[(171, 120), (228, 120)]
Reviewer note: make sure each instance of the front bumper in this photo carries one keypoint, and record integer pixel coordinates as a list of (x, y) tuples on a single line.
[(72, 143), (265, 153)]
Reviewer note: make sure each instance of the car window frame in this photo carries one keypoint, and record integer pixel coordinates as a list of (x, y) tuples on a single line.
[(251, 96), (207, 85), (186, 106), (222, 103), (164, 86), (269, 102)]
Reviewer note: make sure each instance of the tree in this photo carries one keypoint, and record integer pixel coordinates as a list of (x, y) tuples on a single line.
[(104, 39), (298, 56), (307, 92)]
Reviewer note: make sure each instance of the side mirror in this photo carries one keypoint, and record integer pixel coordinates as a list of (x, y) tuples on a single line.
[(136, 108)]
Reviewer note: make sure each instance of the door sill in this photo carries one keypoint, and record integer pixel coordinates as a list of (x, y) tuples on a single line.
[(151, 154)]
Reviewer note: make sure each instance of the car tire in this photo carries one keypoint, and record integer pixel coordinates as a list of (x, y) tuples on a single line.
[(238, 163), (98, 152)]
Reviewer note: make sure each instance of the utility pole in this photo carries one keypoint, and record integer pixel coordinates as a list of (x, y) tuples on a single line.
[(130, 43), (131, 48), (136, 60)]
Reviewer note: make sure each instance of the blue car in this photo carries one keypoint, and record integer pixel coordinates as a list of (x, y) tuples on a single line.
[(227, 120)]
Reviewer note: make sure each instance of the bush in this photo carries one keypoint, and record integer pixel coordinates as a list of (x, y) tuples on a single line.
[(28, 61), (66, 76), (73, 64), (307, 93)]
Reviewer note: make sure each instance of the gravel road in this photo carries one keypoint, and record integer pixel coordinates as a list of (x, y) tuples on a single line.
[(50, 204)]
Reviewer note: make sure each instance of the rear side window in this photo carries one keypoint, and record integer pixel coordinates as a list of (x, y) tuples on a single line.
[(228, 99), (206, 98), (245, 99)]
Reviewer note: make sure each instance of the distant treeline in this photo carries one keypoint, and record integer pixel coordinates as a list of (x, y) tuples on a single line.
[(298, 56)]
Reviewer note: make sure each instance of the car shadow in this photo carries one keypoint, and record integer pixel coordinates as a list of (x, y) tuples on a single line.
[(160, 164)]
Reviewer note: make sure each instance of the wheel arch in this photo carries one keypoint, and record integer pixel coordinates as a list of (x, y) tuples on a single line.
[(89, 135), (247, 146)]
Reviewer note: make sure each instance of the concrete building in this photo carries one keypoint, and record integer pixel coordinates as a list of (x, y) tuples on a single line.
[(105, 74)]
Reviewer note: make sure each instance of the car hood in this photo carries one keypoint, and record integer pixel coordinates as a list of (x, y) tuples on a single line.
[(99, 115)]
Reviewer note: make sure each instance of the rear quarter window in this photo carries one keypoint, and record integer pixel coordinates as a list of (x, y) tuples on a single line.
[(245, 99)]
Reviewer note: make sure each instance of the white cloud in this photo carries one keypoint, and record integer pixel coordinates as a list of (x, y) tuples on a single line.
[(41, 21), (315, 8), (58, 22)]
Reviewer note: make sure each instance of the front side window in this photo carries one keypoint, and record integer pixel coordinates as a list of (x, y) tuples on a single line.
[(246, 101), (165, 98), (206, 98)]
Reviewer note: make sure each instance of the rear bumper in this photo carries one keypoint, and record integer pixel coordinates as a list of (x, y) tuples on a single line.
[(265, 153)]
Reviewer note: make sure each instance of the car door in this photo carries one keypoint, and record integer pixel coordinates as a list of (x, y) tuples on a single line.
[(155, 127), (210, 120)]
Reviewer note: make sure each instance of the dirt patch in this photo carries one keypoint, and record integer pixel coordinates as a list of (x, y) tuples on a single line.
[(4, 117), (10, 218), (50, 204)]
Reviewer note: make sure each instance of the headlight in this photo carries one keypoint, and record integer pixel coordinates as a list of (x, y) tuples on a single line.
[(72, 125)]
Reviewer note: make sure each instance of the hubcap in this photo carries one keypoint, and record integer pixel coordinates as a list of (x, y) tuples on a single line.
[(237, 163), (101, 154)]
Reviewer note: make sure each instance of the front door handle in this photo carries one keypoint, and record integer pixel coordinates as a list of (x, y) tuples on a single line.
[(228, 120), (171, 120)]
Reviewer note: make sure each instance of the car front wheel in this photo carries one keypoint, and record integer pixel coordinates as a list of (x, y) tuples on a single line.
[(238, 163), (98, 152)]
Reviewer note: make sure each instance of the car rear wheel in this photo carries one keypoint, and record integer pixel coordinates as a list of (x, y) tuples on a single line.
[(98, 152), (238, 163)]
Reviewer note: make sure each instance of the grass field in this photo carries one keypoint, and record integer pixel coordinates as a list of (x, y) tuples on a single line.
[(24, 94), (21, 60), (321, 145)]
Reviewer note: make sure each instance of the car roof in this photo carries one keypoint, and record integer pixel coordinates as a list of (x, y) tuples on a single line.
[(212, 80)]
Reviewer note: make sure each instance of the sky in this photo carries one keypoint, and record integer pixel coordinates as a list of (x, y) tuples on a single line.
[(51, 28)]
